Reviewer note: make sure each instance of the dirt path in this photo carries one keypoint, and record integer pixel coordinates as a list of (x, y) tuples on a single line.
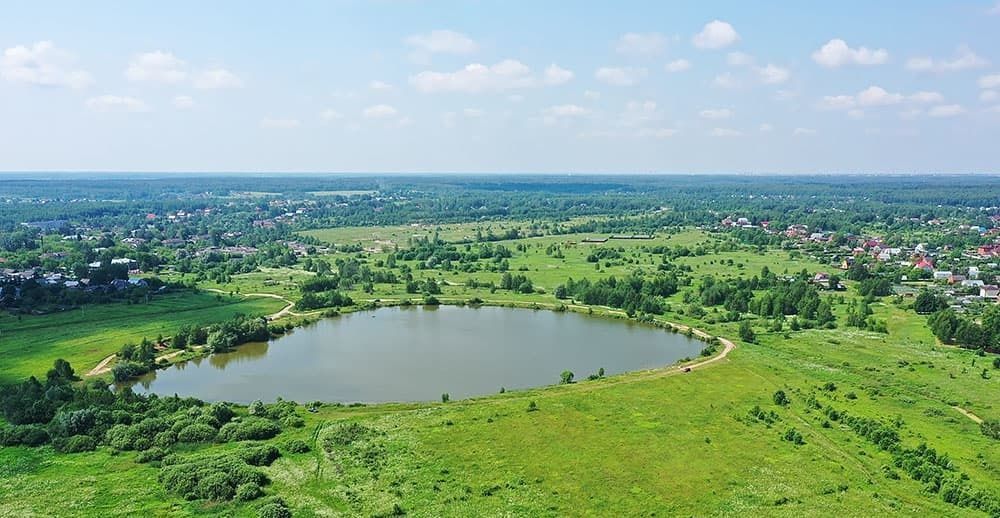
[(102, 367), (287, 310), (975, 418)]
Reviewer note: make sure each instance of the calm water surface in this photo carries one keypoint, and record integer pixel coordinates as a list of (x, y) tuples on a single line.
[(416, 354)]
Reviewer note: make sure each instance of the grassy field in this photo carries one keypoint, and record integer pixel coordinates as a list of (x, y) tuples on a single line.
[(659, 442), (29, 344)]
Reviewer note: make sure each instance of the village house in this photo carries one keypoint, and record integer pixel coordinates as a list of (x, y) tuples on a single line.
[(989, 291), (940, 275)]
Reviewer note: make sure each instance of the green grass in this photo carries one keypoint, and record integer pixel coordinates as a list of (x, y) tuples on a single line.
[(29, 344)]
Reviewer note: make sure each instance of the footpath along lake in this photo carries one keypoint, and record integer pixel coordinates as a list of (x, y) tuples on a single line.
[(418, 353)]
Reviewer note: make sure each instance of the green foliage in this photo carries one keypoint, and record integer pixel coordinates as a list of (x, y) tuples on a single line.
[(197, 432), (991, 428), (746, 332), (793, 436), (566, 377), (212, 477), (295, 446), (248, 429), (262, 455), (780, 398)]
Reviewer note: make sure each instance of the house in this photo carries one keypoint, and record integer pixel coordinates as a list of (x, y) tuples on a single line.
[(847, 263), (924, 264), (973, 272), (989, 291), (972, 283), (956, 279), (940, 275), (130, 263), (119, 284), (138, 283)]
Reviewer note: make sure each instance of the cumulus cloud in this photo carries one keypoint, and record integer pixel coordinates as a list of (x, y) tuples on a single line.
[(217, 79), (715, 35), (556, 75), (965, 59), (442, 42), (946, 110), (156, 67), (42, 64), (641, 44), (991, 81), (836, 53), (716, 114), (773, 74), (739, 59), (803, 132), (624, 76), (678, 65), (380, 86), (989, 96), (592, 95), (877, 96), (726, 80), (379, 111), (476, 78), (724, 132), (108, 103), (269, 123), (183, 102)]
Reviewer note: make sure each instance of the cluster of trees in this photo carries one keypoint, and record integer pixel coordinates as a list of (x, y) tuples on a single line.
[(859, 315), (516, 282), (75, 418), (767, 296), (633, 294), (950, 327)]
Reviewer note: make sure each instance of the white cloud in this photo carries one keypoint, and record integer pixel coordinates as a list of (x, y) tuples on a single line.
[(217, 79), (803, 132), (678, 65), (641, 44), (989, 96), (379, 111), (656, 132), (42, 64), (183, 102), (837, 102), (739, 59), (626, 76), (715, 35), (878, 96), (837, 53), (765, 128), (716, 114), (994, 11), (107, 103), (442, 42), (476, 78), (726, 80), (964, 59), (592, 95), (638, 113), (856, 114), (473, 113), (773, 74), (556, 75), (565, 110), (926, 97), (911, 113), (380, 86), (269, 123), (156, 67), (991, 81), (724, 132), (946, 110), (330, 115)]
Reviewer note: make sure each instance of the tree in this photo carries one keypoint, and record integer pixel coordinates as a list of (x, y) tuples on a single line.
[(780, 398), (566, 377), (746, 332), (927, 303)]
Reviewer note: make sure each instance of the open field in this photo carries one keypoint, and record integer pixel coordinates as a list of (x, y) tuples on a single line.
[(29, 344)]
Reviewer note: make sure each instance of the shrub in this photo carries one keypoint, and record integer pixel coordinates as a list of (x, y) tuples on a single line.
[(153, 454), (122, 437), (215, 477), (165, 439), (532, 406), (780, 398), (196, 432), (293, 421), (249, 429), (274, 508), (793, 436), (247, 492), (216, 486), (25, 434), (991, 428), (262, 455), (78, 443), (295, 446)]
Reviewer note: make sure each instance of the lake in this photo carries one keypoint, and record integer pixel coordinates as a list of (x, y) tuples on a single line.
[(417, 353)]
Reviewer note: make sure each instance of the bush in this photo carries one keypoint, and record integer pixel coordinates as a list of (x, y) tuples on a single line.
[(215, 477), (295, 446), (153, 454), (26, 435), (780, 398), (77, 444), (274, 508), (197, 432), (122, 437), (249, 429), (165, 439), (247, 492), (262, 455), (216, 486), (991, 428)]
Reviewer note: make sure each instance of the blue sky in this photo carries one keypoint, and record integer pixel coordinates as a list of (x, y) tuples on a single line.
[(501, 86)]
